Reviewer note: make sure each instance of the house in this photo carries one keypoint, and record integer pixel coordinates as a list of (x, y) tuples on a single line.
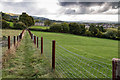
[(39, 24)]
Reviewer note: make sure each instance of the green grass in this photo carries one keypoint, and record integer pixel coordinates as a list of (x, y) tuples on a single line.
[(27, 62), (8, 32), (39, 27), (78, 56), (11, 23)]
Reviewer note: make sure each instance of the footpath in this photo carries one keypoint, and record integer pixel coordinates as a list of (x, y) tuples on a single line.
[(27, 62)]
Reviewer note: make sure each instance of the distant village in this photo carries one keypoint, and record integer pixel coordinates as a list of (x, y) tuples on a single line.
[(42, 19), (87, 25)]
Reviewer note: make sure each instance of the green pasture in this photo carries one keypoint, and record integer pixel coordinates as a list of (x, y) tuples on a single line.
[(76, 57), (39, 27), (79, 56), (11, 23)]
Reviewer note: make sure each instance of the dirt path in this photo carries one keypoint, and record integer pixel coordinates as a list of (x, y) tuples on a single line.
[(27, 62)]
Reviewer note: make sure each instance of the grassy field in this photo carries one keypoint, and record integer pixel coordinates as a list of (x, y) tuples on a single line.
[(10, 32), (39, 27), (6, 33), (27, 62), (11, 23), (78, 56)]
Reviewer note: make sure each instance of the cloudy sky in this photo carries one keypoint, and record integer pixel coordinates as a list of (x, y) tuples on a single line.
[(66, 10)]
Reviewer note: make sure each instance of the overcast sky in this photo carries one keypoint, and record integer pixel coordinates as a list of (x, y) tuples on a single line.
[(66, 10)]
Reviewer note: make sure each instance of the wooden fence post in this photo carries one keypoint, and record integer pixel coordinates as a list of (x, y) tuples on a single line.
[(34, 39), (23, 32), (8, 42), (115, 69), (37, 42), (14, 40), (17, 38), (31, 36), (53, 55), (41, 45)]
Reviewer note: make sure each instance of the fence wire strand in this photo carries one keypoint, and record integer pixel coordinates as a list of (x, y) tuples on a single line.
[(70, 64)]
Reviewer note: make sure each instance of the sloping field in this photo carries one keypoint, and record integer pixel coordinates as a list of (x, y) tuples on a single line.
[(39, 27), (76, 57), (80, 57)]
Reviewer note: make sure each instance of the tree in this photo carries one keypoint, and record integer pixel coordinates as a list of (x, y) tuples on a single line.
[(65, 27), (73, 28), (26, 19), (101, 28), (37, 20), (56, 28), (82, 29), (5, 25), (5, 16), (112, 34), (93, 29), (88, 33), (19, 25), (47, 22)]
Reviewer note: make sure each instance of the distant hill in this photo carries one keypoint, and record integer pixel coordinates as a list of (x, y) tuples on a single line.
[(43, 19), (40, 18), (11, 14)]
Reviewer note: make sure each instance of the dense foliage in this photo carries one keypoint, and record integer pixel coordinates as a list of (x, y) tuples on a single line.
[(5, 16), (5, 25), (26, 19), (79, 29), (19, 25), (47, 22)]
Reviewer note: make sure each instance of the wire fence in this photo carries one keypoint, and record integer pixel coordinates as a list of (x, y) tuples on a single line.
[(5, 41), (73, 65), (70, 64)]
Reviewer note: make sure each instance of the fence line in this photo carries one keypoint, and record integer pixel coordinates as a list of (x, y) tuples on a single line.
[(78, 65), (88, 68), (84, 57), (84, 63)]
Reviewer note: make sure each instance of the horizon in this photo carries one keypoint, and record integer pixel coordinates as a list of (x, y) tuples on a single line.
[(64, 10)]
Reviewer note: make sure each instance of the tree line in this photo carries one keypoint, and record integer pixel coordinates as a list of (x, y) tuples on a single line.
[(80, 29), (94, 30), (23, 22)]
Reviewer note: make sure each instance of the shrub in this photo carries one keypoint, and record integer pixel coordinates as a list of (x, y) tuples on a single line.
[(88, 33), (5, 25), (19, 25), (56, 28), (99, 34), (101, 28), (47, 22), (112, 34), (65, 27), (74, 28), (118, 35), (82, 29), (93, 29)]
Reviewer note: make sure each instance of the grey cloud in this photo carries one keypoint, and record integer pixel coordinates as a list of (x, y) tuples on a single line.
[(70, 11), (84, 7)]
